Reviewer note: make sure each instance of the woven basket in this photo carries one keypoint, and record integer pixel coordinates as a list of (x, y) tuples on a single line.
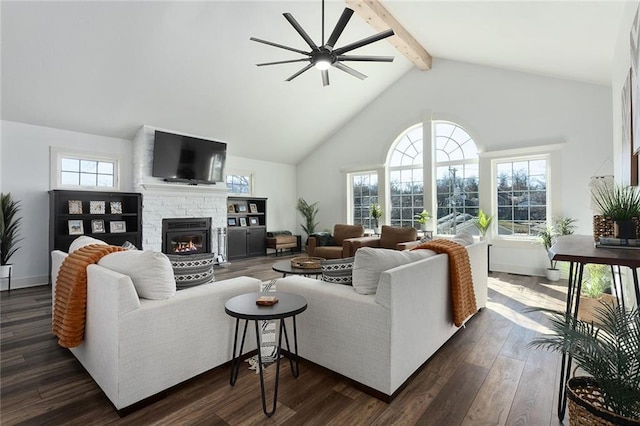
[(603, 227), (586, 405), (306, 262)]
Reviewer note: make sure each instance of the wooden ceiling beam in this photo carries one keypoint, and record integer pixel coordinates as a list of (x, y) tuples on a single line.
[(376, 15)]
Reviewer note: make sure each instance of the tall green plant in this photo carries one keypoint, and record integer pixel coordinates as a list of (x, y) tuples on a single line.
[(9, 227), (482, 222), (617, 201), (309, 212), (609, 352)]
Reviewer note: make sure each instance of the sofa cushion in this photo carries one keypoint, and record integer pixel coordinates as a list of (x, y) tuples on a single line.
[(150, 272), (342, 232), (323, 239), (371, 262), (84, 241), (464, 238), (329, 252), (337, 271), (192, 270), (391, 236)]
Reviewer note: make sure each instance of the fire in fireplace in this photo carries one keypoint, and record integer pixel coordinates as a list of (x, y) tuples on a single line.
[(186, 236)]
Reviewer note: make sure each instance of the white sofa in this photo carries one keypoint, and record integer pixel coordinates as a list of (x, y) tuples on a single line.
[(380, 340), (135, 348)]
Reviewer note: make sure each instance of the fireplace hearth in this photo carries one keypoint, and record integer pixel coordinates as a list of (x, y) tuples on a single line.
[(186, 236)]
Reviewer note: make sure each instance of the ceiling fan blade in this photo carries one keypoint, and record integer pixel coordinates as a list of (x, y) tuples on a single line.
[(270, 43), (300, 72), (337, 31), (363, 42), (284, 62), (349, 70), (365, 58), (325, 77), (300, 31)]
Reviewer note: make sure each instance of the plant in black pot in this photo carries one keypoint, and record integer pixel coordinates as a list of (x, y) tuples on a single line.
[(621, 204), (610, 354), (9, 228)]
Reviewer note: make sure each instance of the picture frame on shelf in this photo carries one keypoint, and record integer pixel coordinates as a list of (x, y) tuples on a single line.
[(117, 226), (253, 221), (231, 208), (253, 207), (115, 207), (243, 221), (97, 226), (76, 227), (241, 208), (232, 221), (97, 207), (75, 207)]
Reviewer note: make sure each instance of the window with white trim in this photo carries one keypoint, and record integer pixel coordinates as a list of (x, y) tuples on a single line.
[(406, 178), (521, 195), (82, 170), (364, 194), (240, 183)]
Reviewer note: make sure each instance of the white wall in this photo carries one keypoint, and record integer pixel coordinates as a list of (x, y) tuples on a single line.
[(502, 110), (24, 171)]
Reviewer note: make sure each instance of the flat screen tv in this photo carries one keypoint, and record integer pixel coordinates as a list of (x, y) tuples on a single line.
[(179, 158)]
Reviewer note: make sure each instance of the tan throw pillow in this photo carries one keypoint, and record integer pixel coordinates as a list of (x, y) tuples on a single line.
[(150, 272)]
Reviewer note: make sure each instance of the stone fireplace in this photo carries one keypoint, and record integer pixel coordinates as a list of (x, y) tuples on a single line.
[(164, 200)]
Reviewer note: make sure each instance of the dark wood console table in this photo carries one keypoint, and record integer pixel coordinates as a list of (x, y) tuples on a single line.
[(580, 250)]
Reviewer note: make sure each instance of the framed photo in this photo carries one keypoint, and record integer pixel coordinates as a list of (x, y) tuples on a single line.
[(97, 226), (241, 208), (115, 207), (231, 208), (76, 227), (75, 207), (231, 221), (253, 208), (243, 221), (116, 226), (253, 221), (97, 207)]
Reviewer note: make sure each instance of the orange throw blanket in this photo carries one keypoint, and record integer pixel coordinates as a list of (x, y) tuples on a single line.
[(464, 298), (70, 301)]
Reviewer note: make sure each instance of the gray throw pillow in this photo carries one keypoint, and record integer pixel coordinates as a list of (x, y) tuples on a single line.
[(193, 269), (338, 271)]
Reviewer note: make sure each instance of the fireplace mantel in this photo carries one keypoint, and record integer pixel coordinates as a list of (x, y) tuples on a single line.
[(179, 189)]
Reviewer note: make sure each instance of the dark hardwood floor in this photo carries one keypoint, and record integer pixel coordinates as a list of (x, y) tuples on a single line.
[(484, 375)]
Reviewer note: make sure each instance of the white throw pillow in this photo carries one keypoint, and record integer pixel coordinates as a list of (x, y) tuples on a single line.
[(464, 238), (84, 241), (371, 262), (150, 271)]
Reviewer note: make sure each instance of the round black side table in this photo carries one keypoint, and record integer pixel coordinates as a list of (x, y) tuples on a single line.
[(244, 307)]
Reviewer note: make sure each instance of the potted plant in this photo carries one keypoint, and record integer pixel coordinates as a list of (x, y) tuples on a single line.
[(9, 227), (376, 213), (422, 218), (610, 353), (622, 205), (547, 237), (482, 222), (309, 212)]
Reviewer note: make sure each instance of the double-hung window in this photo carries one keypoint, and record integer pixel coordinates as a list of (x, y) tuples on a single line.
[(364, 193)]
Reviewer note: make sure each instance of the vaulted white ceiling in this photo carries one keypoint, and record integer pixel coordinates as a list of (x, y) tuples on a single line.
[(109, 67)]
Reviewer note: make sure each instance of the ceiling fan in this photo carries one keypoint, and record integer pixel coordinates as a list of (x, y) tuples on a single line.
[(325, 56)]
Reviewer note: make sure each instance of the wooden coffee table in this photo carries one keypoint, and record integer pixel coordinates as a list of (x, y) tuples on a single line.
[(285, 267)]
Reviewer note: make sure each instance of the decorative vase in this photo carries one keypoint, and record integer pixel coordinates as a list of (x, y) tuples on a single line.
[(624, 229), (553, 274)]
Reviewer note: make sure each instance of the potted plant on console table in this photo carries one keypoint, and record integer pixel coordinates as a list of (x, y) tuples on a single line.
[(620, 204), (9, 227)]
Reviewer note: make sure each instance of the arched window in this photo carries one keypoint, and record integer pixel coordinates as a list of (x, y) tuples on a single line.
[(456, 170), (406, 181), (456, 167)]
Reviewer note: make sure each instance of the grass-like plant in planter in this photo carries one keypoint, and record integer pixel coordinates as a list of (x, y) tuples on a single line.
[(609, 352), (309, 212), (9, 227), (621, 204), (482, 222), (547, 237)]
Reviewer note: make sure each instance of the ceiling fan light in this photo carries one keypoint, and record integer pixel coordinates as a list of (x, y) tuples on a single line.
[(323, 64)]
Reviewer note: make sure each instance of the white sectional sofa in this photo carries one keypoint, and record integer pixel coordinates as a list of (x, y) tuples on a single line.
[(379, 340), (135, 348)]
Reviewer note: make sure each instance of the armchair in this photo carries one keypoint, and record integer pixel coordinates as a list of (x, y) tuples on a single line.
[(391, 237), (342, 247)]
